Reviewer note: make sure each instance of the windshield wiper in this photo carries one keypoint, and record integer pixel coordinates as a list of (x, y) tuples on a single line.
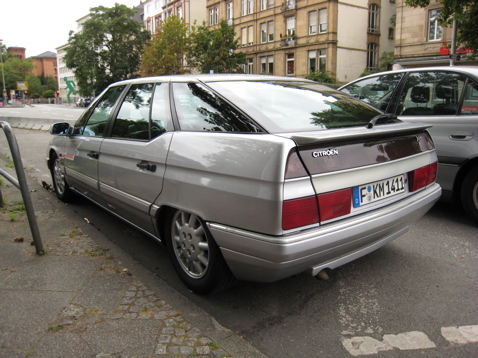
[(385, 118)]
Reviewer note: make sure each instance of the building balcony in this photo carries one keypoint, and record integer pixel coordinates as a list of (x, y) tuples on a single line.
[(289, 5), (287, 41)]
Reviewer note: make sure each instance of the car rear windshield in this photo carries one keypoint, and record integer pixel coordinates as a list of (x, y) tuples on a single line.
[(289, 106)]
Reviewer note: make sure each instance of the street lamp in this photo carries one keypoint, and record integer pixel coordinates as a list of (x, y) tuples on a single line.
[(3, 73)]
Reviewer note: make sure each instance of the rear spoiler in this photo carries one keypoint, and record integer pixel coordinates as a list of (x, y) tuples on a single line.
[(353, 134)]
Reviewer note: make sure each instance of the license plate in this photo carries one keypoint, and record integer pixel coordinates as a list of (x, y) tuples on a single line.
[(369, 193)]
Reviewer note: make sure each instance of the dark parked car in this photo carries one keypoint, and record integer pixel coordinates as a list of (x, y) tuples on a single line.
[(446, 98), (247, 177)]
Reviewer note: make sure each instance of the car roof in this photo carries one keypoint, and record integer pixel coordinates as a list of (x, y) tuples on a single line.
[(212, 78), (468, 70)]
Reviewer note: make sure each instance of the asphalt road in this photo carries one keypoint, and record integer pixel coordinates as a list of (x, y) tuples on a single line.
[(400, 301)]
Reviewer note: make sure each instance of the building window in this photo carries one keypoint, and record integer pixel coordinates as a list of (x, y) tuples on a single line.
[(250, 35), (266, 4), (229, 11), (250, 7), (312, 22), (244, 36), (214, 16), (322, 20), (391, 33), (180, 12), (290, 26), (247, 7), (250, 66), (434, 28), (372, 56), (263, 32), (267, 32), (319, 65), (270, 31), (373, 18), (244, 7), (267, 65), (290, 64)]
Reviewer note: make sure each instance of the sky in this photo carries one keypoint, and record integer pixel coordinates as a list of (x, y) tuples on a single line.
[(44, 25)]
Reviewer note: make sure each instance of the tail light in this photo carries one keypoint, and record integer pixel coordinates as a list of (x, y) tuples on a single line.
[(422, 177), (334, 204), (300, 212)]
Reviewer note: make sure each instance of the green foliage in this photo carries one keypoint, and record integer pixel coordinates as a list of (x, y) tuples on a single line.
[(37, 85), (165, 54), (386, 61), (214, 49), (14, 69), (49, 94), (322, 77), (108, 48), (465, 12)]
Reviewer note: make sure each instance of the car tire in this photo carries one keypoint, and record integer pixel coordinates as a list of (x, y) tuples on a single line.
[(469, 194), (195, 256), (62, 190)]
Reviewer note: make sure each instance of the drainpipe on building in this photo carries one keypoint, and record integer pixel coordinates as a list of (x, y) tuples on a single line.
[(453, 45)]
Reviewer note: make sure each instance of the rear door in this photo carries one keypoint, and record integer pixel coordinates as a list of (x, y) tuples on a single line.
[(448, 102), (133, 156)]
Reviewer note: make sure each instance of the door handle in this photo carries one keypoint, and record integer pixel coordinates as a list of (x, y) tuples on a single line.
[(461, 135), (94, 155), (144, 165)]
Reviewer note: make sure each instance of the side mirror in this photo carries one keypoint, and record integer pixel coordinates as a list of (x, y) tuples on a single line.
[(60, 129)]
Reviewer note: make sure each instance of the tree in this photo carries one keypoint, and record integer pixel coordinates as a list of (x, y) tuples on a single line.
[(214, 49), (35, 87), (107, 49), (165, 53), (465, 12), (15, 70)]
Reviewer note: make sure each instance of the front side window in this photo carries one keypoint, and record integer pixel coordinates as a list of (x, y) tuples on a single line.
[(199, 109), (93, 123), (431, 93), (434, 28), (373, 18), (376, 91)]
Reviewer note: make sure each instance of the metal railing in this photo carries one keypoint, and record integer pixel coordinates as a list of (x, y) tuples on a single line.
[(21, 183)]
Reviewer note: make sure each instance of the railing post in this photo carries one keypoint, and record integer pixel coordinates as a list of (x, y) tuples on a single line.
[(21, 183)]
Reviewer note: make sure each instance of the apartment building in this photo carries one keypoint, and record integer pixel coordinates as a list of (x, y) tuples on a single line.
[(421, 41), (296, 37), (158, 11), (45, 64)]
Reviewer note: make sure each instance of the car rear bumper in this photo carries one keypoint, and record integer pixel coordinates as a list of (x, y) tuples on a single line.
[(263, 258)]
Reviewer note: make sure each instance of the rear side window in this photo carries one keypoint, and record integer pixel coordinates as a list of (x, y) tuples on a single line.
[(376, 91), (285, 106), (431, 93), (199, 109)]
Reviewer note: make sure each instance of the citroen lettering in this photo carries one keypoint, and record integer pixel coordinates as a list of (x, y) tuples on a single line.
[(325, 153)]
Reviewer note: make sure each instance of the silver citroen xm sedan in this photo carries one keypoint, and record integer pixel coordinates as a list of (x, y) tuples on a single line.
[(247, 177)]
